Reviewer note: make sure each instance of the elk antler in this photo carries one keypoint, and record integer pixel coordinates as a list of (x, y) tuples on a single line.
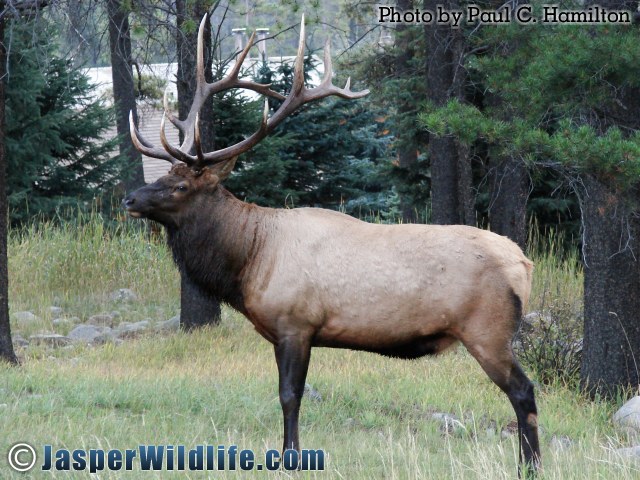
[(189, 128)]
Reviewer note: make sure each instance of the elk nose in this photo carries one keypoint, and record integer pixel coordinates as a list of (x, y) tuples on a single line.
[(128, 201)]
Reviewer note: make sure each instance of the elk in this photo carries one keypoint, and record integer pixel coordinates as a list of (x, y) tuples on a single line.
[(309, 277)]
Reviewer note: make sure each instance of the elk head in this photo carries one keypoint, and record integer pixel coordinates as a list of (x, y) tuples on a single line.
[(196, 174)]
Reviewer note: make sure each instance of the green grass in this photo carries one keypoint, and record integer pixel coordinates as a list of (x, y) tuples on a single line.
[(219, 386)]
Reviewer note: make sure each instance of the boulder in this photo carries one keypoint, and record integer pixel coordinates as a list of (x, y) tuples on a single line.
[(628, 416), (103, 320), (449, 424), (561, 442), (107, 336), (87, 333), (61, 322), (49, 339), (123, 295), (24, 317), (173, 324), (130, 330), (630, 452), (312, 393), (19, 341), (55, 311)]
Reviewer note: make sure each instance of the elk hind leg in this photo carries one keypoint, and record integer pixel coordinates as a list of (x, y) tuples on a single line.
[(503, 369)]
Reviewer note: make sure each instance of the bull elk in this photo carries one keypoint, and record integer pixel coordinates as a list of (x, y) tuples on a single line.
[(310, 277)]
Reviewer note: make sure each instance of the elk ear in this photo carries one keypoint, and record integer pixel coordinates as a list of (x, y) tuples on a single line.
[(223, 169)]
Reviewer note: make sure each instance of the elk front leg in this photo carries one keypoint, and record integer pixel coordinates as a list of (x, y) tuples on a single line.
[(292, 357)]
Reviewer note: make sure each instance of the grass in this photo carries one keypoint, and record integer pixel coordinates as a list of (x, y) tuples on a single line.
[(218, 386)]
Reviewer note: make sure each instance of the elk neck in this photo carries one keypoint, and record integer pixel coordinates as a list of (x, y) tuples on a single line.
[(216, 241)]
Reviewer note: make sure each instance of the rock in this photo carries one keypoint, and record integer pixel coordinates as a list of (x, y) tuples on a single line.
[(107, 336), (561, 442), (173, 324), (442, 416), (628, 416), (61, 322), (87, 333), (101, 320), (534, 320), (50, 339), (24, 317), (18, 341), (115, 314), (123, 295), (55, 311), (449, 423), (130, 330), (312, 393), (630, 451), (490, 428), (509, 430)]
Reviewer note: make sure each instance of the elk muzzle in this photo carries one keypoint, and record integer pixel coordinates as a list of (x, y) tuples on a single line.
[(129, 204)]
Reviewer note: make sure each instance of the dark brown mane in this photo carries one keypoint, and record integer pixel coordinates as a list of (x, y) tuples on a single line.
[(210, 231)]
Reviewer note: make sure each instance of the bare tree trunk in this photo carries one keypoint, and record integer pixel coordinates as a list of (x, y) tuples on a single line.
[(509, 179), (450, 192), (407, 150), (123, 88), (466, 197), (611, 350), (6, 346), (508, 204), (196, 308)]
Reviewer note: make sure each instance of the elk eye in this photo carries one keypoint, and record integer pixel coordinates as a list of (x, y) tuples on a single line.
[(181, 188)]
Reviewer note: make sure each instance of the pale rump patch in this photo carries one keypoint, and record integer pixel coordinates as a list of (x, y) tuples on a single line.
[(532, 419)]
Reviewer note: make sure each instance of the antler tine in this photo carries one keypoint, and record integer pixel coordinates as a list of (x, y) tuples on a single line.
[(175, 152), (179, 124), (200, 80), (233, 74), (326, 87), (296, 96), (298, 69), (328, 67), (198, 140), (145, 147)]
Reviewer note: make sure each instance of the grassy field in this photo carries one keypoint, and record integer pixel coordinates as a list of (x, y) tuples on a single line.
[(219, 386)]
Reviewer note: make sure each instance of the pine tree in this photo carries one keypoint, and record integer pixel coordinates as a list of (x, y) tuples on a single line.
[(56, 153)]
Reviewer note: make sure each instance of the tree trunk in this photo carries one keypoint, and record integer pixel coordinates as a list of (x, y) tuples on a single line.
[(196, 308), (508, 204), (123, 88), (508, 177), (611, 350), (449, 203), (407, 148), (6, 346)]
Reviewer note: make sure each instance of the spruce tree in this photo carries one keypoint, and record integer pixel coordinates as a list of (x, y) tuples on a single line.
[(56, 151)]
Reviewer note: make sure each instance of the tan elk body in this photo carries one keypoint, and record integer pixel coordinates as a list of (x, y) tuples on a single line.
[(311, 277), (347, 282)]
